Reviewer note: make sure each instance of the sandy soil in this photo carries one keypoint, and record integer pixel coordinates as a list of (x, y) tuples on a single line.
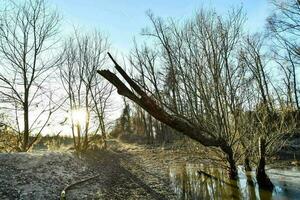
[(125, 171)]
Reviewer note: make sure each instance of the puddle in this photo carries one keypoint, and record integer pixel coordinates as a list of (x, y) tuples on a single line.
[(197, 181)]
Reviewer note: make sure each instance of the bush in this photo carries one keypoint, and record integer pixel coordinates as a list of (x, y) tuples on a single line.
[(9, 141)]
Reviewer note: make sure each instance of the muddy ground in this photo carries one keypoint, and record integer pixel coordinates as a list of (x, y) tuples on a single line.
[(124, 171)]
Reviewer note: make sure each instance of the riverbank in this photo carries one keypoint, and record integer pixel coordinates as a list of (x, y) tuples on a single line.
[(124, 171)]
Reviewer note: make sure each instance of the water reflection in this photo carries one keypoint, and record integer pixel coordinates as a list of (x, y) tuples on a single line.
[(194, 181)]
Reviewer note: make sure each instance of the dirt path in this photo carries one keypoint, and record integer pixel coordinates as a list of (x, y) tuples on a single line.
[(125, 172), (124, 175)]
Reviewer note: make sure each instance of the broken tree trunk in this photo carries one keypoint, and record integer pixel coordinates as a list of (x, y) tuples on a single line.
[(179, 123)]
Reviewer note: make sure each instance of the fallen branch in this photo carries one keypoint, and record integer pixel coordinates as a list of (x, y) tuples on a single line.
[(63, 192)]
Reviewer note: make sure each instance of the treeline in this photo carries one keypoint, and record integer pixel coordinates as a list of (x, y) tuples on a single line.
[(136, 125), (208, 78)]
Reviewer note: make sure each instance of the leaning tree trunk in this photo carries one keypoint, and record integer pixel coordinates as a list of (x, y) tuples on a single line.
[(232, 173), (247, 164), (180, 123), (262, 178)]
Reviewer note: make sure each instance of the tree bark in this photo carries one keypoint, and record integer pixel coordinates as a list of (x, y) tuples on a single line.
[(26, 122), (26, 130), (262, 178), (232, 173), (247, 164)]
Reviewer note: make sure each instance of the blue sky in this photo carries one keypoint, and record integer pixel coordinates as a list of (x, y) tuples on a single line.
[(123, 19)]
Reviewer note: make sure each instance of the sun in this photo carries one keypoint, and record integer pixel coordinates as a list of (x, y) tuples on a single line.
[(78, 116)]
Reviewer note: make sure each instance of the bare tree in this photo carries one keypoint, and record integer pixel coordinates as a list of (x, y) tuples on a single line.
[(82, 55), (270, 119), (27, 34), (283, 26), (194, 74)]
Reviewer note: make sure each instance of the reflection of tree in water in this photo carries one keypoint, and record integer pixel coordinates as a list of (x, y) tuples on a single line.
[(194, 181), (250, 186), (190, 182)]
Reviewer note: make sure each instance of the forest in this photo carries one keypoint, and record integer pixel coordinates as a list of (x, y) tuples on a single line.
[(205, 108)]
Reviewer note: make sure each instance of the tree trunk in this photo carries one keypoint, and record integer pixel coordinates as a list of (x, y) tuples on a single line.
[(197, 131), (103, 135), (79, 137), (232, 173), (247, 164), (261, 176), (247, 161), (295, 87), (74, 137), (104, 142), (150, 129), (26, 126)]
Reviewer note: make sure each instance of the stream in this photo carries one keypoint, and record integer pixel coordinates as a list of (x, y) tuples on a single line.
[(196, 181)]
